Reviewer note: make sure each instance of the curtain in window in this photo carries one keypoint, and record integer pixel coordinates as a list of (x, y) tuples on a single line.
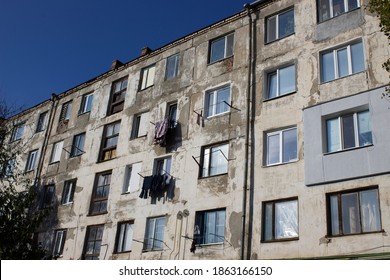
[(333, 135), (364, 127), (370, 211), (286, 219)]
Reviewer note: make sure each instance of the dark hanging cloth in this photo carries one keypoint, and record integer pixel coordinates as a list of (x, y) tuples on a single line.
[(170, 188), (193, 247), (146, 187), (160, 132)]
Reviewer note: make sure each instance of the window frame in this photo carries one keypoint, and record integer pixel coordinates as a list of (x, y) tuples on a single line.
[(341, 136), (122, 238), (104, 198), (201, 227), (121, 93), (280, 132), (145, 80), (58, 245), (339, 214), (136, 132), (56, 152), (17, 132), (274, 223), (111, 150), (94, 255), (277, 24), (278, 74), (206, 163), (176, 65), (86, 103), (132, 180), (226, 54), (154, 247), (42, 122), (336, 62), (215, 92), (68, 191), (77, 149), (66, 110), (331, 11), (31, 160)]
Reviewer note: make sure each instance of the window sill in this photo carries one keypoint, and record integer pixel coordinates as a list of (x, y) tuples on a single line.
[(152, 250), (54, 162), (101, 161), (142, 89), (217, 115), (281, 163), (67, 203), (280, 96), (139, 137), (356, 234), (349, 149), (280, 240), (213, 176), (119, 253), (96, 214), (83, 113), (278, 39), (222, 59), (209, 244)]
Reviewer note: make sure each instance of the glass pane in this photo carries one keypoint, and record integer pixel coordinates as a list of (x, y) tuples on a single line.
[(211, 105), (333, 135), (364, 128), (350, 213), (348, 132), (206, 163), (150, 80), (159, 233), (323, 10), (286, 219), (124, 84), (268, 222), (352, 4), (128, 237), (273, 149), (272, 85), (111, 142), (210, 236), (287, 80), (327, 67), (117, 87), (342, 62), (217, 50), (171, 67), (219, 162), (370, 211), (338, 7), (334, 215), (220, 226), (90, 247), (96, 249), (357, 57), (120, 238), (271, 29), (286, 23), (229, 45), (149, 234), (223, 95), (289, 145)]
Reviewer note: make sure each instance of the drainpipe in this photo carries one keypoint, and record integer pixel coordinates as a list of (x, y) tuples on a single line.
[(54, 98), (246, 166)]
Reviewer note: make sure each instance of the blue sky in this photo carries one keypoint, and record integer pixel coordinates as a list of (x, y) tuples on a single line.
[(50, 46)]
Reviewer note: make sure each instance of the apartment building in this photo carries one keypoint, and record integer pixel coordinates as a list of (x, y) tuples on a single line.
[(262, 136)]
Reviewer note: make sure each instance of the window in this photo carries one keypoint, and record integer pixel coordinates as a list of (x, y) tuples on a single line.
[(140, 125), (31, 159), (78, 145), (281, 81), (341, 62), (8, 167), (210, 227), (348, 131), (100, 194), (353, 212), (118, 94), (132, 178), (331, 8), (217, 101), (48, 196), (93, 242), (59, 242), (215, 160), (221, 48), (124, 237), (172, 115), (56, 152), (66, 109), (154, 234), (172, 66), (280, 220), (282, 146), (147, 77), (86, 103), (109, 141), (280, 25), (68, 192), (163, 166), (17, 132), (42, 122)]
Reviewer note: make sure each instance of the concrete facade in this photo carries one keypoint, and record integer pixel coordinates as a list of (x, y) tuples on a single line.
[(228, 207)]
